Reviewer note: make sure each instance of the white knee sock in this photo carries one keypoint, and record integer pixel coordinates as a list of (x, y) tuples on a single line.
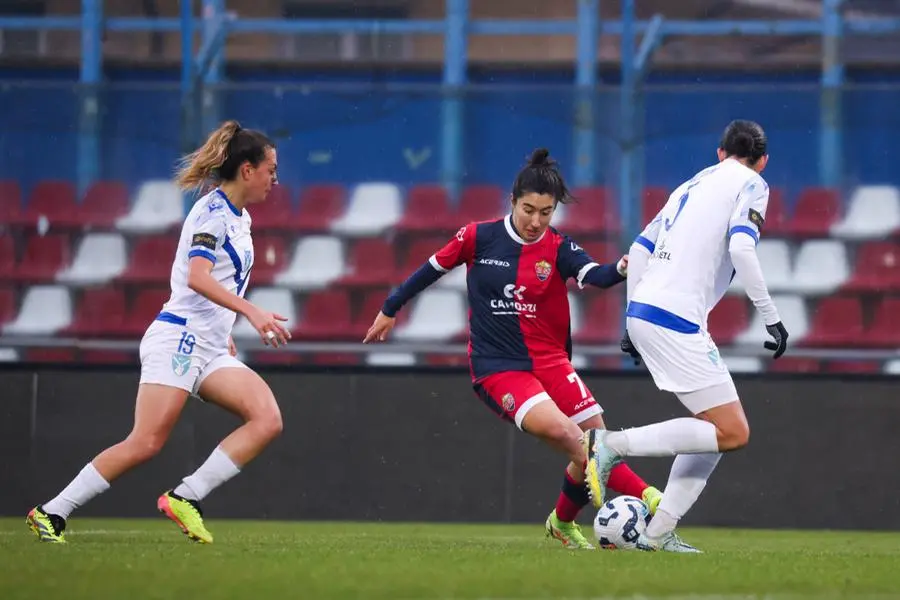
[(217, 469), (686, 480), (86, 485), (668, 438)]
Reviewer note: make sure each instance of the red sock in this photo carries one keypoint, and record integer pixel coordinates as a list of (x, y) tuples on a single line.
[(572, 499), (625, 481)]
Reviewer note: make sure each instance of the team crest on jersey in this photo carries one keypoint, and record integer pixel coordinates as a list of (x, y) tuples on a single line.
[(509, 402), (181, 363), (543, 269)]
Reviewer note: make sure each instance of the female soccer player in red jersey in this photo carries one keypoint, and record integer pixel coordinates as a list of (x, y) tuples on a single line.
[(520, 340)]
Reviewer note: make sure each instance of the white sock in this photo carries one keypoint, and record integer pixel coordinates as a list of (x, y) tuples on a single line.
[(686, 480), (668, 438), (217, 469), (86, 485)]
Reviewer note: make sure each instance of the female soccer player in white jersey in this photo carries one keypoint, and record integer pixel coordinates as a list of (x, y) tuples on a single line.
[(188, 348), (679, 268)]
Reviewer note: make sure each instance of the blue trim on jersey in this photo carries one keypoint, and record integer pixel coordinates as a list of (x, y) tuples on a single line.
[(661, 317), (231, 206), (744, 229), (236, 261), (204, 253), (167, 317), (645, 243)]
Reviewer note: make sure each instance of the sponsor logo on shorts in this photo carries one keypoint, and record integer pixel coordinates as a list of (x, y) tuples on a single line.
[(181, 364), (509, 402), (543, 269), (584, 403), (713, 357)]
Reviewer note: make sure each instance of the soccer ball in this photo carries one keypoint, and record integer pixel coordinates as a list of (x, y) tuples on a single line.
[(620, 522)]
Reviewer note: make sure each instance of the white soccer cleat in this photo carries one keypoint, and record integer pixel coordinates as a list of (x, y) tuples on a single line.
[(668, 542)]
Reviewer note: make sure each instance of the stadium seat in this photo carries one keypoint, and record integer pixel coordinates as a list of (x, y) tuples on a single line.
[(821, 267), (793, 314), (100, 257), (775, 260), (151, 260), (104, 203), (576, 314), (873, 212), (9, 355), (100, 312), (884, 330), (371, 305), (816, 211), (792, 364), (53, 201), (594, 212), (326, 316), (269, 258), (318, 261), (108, 357), (276, 300), (728, 319), (836, 321), (602, 319), (7, 305), (435, 315), (419, 251), (603, 252), (7, 257), (390, 359), (158, 207), (853, 367), (455, 279), (44, 257), (50, 355), (652, 201), (743, 364), (373, 209), (372, 262), (45, 310), (892, 367), (877, 268), (146, 306), (480, 203), (320, 205), (427, 210), (275, 213), (10, 202), (777, 217)]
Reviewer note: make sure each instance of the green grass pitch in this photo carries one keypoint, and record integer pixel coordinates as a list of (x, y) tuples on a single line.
[(144, 559)]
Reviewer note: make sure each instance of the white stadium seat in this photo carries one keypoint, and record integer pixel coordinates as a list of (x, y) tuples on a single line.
[(575, 314), (159, 205), (276, 300), (821, 267), (892, 367), (436, 315), (454, 280), (390, 359), (793, 314), (373, 209), (8, 355), (100, 257), (45, 310), (318, 260), (873, 212), (743, 364)]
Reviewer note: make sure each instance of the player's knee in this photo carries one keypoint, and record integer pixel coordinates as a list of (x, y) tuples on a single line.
[(268, 419), (145, 447)]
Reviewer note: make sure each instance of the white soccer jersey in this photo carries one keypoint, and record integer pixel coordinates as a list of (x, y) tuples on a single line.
[(690, 267), (216, 230)]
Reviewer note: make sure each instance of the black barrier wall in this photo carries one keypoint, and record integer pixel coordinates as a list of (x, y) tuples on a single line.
[(413, 446)]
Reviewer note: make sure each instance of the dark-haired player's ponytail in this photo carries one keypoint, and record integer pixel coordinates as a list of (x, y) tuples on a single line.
[(541, 176), (540, 157)]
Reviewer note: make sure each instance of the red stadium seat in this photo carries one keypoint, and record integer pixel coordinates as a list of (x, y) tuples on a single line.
[(108, 357), (8, 308), (652, 202), (837, 321), (326, 316), (372, 262), (270, 257), (447, 360), (104, 203), (101, 312), (275, 213), (53, 200), (603, 252), (7, 257), (602, 323), (50, 355), (319, 206), (777, 218), (594, 212), (44, 257), (275, 359), (728, 320), (790, 364), (147, 304), (850, 367), (480, 203), (816, 211), (877, 268), (884, 331), (420, 251), (151, 260), (427, 210), (371, 305), (10, 202)]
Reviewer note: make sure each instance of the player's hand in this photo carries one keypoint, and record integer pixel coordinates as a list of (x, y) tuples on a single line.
[(380, 328), (622, 266), (232, 349), (267, 324), (780, 334), (628, 348)]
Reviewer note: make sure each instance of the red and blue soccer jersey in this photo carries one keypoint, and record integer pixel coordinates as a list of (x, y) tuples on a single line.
[(518, 301)]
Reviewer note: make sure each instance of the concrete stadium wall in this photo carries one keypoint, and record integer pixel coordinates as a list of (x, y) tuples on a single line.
[(419, 446)]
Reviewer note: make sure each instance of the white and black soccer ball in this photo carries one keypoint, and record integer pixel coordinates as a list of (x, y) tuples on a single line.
[(620, 522)]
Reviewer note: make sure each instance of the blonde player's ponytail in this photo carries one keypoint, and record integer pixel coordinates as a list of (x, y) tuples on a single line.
[(202, 164)]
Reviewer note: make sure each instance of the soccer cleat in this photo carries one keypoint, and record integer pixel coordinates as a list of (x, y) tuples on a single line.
[(601, 461), (47, 527), (568, 533), (652, 498), (669, 542), (186, 514)]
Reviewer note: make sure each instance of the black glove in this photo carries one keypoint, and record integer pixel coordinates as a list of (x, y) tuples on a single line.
[(780, 334), (628, 348)]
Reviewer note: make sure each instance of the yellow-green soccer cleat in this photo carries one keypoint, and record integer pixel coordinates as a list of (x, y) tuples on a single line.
[(186, 514), (47, 527), (651, 498), (600, 461), (568, 533)]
